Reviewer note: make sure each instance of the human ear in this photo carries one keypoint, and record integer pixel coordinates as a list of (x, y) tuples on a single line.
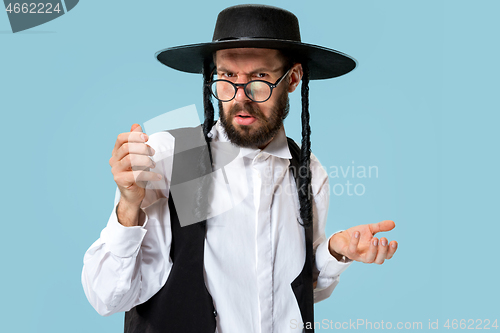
[(294, 77)]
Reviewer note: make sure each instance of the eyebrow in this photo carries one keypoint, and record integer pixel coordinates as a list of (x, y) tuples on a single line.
[(258, 70)]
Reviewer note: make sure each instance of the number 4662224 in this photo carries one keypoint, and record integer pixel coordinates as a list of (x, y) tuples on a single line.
[(471, 324), (31, 8)]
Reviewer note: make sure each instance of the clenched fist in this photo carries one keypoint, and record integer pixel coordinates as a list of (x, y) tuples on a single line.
[(130, 164)]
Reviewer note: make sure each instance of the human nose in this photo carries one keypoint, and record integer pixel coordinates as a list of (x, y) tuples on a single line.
[(240, 92)]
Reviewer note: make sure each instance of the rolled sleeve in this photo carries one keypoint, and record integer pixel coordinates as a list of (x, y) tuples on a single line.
[(123, 241)]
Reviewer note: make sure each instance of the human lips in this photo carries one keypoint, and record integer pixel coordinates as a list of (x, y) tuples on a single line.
[(244, 118), (243, 114)]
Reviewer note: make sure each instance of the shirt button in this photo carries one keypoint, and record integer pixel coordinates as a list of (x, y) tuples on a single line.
[(215, 313)]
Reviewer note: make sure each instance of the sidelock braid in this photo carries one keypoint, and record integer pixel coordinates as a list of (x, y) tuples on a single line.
[(208, 106), (305, 195), (202, 200)]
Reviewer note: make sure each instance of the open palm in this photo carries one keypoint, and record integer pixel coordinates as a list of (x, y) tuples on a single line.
[(358, 243)]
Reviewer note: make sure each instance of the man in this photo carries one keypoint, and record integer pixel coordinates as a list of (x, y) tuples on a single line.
[(251, 268)]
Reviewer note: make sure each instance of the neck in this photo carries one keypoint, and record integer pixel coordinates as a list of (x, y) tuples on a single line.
[(268, 142), (265, 145)]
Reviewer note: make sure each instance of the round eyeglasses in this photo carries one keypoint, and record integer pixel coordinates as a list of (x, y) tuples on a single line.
[(257, 90)]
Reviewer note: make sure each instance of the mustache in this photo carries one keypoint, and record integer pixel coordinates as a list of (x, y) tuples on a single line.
[(252, 110)]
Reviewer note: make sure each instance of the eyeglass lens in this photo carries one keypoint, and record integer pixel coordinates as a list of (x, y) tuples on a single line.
[(257, 91)]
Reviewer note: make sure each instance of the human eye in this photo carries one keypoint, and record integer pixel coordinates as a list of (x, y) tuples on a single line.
[(261, 75), (227, 75)]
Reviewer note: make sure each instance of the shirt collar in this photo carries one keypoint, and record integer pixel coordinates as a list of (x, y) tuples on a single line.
[(277, 147)]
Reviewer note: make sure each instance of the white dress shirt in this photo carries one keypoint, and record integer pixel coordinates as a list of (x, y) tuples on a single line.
[(254, 245)]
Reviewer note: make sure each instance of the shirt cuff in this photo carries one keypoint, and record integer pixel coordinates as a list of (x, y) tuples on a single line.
[(123, 241), (327, 264)]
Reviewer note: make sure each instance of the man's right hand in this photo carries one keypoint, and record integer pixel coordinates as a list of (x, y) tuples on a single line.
[(130, 165)]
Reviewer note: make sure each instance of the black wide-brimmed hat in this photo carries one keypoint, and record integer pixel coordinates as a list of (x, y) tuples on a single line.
[(258, 26)]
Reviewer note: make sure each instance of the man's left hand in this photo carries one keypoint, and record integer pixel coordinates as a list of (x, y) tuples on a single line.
[(357, 243)]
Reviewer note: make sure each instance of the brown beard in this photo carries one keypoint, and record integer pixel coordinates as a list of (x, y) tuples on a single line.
[(242, 136)]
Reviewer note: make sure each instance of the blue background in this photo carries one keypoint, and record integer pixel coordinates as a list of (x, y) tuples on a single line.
[(422, 106)]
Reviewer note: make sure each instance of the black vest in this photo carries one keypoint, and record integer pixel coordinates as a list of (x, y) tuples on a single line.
[(183, 304)]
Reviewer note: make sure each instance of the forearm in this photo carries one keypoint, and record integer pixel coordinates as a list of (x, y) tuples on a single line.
[(129, 215), (337, 256)]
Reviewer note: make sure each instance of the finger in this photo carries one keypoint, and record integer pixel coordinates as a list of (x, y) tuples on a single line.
[(372, 250), (133, 136), (129, 137), (143, 177), (353, 244), (133, 162), (136, 127), (382, 251), (381, 226), (129, 178), (135, 149), (393, 246)]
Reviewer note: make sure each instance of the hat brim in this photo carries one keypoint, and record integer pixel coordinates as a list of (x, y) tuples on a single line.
[(323, 63)]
